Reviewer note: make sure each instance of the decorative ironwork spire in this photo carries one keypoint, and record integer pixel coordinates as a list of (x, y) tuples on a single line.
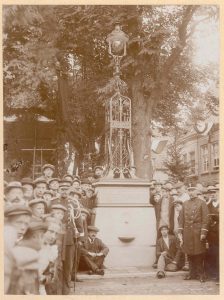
[(118, 114)]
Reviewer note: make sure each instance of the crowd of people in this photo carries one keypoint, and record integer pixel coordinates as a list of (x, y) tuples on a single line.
[(50, 232), (187, 221)]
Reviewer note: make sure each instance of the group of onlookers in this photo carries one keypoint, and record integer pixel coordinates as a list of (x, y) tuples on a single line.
[(49, 231), (187, 221)]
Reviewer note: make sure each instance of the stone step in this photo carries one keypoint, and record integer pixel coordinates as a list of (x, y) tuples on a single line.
[(127, 273)]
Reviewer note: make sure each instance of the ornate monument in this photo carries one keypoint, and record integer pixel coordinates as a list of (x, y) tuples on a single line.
[(118, 114), (123, 213)]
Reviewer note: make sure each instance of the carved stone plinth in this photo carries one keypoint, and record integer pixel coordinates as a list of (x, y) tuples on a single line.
[(126, 221)]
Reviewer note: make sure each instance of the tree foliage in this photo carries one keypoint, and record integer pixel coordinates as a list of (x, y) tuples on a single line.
[(158, 68), (177, 168)]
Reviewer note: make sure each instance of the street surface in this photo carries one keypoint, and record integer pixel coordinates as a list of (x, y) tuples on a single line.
[(173, 284)]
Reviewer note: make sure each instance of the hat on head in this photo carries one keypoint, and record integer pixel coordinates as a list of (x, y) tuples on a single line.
[(177, 201), (163, 226), (14, 184), (49, 192), (52, 167), (68, 175), (85, 181), (76, 180), (35, 226), (77, 177), (194, 193), (65, 182), (58, 206), (17, 209), (53, 179), (85, 211), (158, 183), (191, 188), (92, 228), (27, 180), (169, 186), (37, 200), (98, 167), (75, 191), (40, 180)]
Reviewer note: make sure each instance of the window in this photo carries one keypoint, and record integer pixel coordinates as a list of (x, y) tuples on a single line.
[(215, 155), (192, 162), (204, 158)]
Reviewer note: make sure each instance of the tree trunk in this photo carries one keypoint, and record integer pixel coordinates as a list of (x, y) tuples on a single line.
[(141, 131)]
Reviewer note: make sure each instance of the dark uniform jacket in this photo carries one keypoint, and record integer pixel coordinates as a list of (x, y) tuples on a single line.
[(73, 221), (213, 231), (174, 251), (96, 246), (193, 221)]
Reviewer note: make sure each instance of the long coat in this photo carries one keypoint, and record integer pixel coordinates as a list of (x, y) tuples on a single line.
[(193, 221)]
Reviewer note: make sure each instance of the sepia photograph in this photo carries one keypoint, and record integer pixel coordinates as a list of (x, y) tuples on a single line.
[(111, 149)]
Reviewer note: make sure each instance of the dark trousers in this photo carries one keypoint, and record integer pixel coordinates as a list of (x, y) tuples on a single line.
[(93, 263), (212, 261), (196, 265), (67, 268), (76, 260)]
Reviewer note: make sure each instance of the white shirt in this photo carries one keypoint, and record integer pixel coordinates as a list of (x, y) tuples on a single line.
[(166, 240)]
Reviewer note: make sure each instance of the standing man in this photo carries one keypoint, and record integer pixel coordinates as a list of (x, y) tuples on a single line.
[(193, 228), (73, 234)]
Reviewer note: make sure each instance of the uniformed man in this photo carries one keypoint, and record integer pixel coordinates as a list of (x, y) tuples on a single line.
[(73, 233), (193, 228), (212, 256)]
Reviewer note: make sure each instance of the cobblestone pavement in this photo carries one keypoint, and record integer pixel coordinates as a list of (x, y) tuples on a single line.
[(171, 285)]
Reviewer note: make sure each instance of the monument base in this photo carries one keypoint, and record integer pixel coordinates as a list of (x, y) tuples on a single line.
[(126, 221)]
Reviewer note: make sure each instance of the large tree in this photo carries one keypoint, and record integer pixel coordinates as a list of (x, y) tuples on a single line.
[(158, 69)]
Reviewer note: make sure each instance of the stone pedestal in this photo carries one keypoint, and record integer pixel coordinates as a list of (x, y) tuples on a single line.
[(126, 221)]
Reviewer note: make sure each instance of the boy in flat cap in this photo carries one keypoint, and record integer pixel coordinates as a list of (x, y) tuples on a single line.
[(98, 172), (38, 208), (40, 186), (17, 219), (14, 193), (48, 171), (94, 252), (54, 186), (167, 251), (28, 186)]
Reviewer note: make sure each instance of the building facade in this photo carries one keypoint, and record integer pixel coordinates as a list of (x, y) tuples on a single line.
[(200, 152)]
